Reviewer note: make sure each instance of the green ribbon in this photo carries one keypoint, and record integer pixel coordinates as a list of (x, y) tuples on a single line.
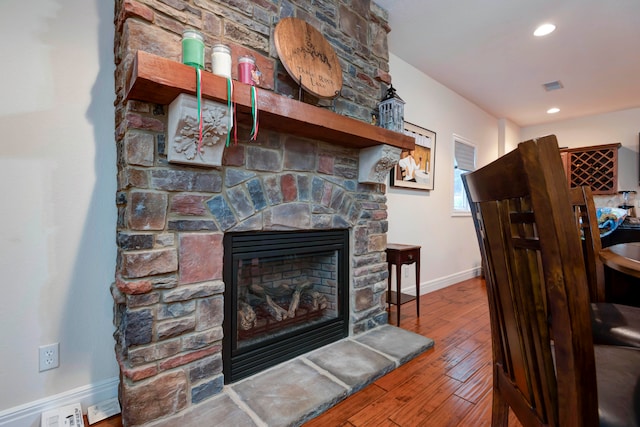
[(229, 108), (254, 113), (199, 97)]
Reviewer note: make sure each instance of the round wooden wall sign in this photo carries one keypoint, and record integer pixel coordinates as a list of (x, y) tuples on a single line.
[(308, 57)]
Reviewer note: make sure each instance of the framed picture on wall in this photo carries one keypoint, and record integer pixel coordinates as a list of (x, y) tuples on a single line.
[(416, 168)]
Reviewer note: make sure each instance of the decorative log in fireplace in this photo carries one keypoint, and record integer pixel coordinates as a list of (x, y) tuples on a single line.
[(275, 305), (286, 294)]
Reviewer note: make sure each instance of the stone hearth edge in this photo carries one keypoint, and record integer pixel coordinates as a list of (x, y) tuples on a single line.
[(300, 389)]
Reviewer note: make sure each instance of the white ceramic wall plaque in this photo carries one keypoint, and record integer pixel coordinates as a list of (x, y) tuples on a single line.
[(182, 131)]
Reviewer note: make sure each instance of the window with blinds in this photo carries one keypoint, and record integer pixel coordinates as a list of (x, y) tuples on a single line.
[(465, 156), (464, 160)]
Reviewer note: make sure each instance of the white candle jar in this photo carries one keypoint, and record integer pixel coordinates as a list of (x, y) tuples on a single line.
[(221, 60)]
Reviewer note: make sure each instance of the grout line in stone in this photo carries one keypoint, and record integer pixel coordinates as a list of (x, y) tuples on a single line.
[(326, 373), (396, 361), (246, 408)]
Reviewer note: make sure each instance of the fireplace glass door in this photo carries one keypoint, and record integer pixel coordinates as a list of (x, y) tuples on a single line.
[(285, 295)]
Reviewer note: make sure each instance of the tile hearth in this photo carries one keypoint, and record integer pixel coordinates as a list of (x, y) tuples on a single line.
[(296, 391)]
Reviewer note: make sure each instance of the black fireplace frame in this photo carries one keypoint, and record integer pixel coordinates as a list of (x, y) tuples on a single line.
[(241, 363)]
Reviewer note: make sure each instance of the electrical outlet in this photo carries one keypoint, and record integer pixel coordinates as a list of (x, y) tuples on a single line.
[(49, 356), (406, 272)]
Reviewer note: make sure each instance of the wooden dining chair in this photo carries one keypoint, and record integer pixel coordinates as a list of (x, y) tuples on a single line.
[(614, 324), (545, 365)]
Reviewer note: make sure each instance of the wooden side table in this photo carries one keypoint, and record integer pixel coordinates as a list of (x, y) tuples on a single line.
[(398, 254)]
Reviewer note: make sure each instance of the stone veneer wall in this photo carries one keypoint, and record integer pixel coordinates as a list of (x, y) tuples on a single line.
[(168, 290)]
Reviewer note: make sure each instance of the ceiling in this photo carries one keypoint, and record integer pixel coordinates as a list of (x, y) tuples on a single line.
[(486, 52)]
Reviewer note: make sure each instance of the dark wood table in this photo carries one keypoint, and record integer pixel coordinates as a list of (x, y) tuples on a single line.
[(398, 255), (623, 257), (622, 273)]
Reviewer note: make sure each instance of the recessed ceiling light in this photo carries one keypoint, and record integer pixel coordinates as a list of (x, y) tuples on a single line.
[(553, 110), (544, 29)]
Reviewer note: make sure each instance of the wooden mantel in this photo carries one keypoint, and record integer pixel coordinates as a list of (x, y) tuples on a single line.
[(160, 80)]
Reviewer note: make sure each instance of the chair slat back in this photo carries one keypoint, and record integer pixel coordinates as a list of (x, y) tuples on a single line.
[(538, 297), (587, 222)]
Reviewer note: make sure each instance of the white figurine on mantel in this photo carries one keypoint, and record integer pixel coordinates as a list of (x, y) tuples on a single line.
[(182, 131)]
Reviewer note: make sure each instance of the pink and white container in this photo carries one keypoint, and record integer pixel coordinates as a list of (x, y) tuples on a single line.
[(247, 71)]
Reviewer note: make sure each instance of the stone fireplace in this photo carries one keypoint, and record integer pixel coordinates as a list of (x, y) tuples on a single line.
[(172, 274)]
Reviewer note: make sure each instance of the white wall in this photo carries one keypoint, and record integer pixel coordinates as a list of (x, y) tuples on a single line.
[(509, 136), (57, 180), (619, 126), (449, 246)]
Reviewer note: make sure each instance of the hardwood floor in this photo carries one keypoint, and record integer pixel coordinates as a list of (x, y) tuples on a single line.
[(449, 385)]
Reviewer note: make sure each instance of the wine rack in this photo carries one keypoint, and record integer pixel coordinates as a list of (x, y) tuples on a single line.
[(595, 166)]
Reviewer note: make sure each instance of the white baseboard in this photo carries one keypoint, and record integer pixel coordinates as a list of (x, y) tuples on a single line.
[(28, 415), (442, 282)]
